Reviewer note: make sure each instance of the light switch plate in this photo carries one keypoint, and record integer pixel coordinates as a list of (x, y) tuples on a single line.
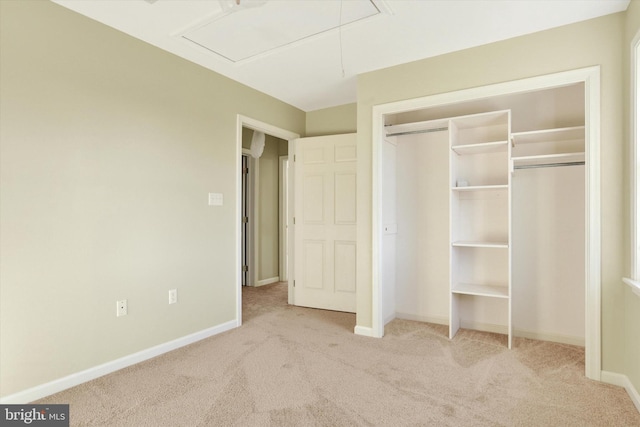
[(215, 199)]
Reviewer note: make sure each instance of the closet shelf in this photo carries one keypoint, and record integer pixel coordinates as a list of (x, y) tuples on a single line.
[(481, 188), (477, 244), (548, 159), (481, 148), (548, 135), (491, 118), (480, 290), (417, 127)]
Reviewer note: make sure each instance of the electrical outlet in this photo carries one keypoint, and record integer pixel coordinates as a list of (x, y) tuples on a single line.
[(173, 296), (121, 308)]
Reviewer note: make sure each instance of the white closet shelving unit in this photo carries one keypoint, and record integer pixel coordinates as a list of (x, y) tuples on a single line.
[(483, 155), (480, 209), (485, 216)]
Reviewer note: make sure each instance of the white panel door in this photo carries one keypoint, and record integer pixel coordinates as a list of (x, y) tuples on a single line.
[(325, 222)]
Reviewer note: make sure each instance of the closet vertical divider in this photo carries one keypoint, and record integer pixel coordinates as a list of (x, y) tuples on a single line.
[(454, 317), (480, 222)]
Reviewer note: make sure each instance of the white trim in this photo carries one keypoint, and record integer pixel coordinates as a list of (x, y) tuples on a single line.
[(283, 163), (485, 327), (291, 249), (255, 216), (267, 281), (251, 212), (393, 316), (622, 381), (545, 336), (249, 123), (364, 331), (633, 284), (500, 329), (590, 76), (73, 380), (377, 312), (634, 156), (425, 319), (593, 235)]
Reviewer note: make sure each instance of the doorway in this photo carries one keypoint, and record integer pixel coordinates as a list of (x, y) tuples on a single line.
[(246, 236), (589, 79), (262, 218)]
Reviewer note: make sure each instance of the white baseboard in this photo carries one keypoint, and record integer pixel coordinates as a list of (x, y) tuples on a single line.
[(487, 327), (535, 335), (544, 336), (426, 319), (390, 318), (267, 281), (72, 380), (484, 327), (633, 284), (622, 381), (364, 331)]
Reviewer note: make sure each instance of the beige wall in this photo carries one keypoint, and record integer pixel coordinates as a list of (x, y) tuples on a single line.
[(632, 302), (109, 147), (332, 121), (247, 134), (575, 46)]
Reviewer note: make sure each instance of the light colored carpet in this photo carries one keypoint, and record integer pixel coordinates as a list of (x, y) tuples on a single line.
[(291, 366)]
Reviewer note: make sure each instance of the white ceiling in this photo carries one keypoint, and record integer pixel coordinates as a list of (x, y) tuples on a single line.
[(297, 51)]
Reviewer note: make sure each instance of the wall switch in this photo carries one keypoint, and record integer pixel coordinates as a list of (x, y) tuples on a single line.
[(173, 296), (215, 199), (121, 308)]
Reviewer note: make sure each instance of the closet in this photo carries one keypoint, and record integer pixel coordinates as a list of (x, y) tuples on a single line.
[(483, 213)]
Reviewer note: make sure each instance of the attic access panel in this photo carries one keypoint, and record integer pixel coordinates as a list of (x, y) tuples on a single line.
[(245, 32)]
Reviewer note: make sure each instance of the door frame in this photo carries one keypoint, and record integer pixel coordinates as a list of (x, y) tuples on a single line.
[(590, 76), (256, 125), (252, 227), (283, 220), (634, 162)]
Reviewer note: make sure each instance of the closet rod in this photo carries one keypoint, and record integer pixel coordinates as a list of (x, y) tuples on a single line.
[(413, 132), (549, 165)]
